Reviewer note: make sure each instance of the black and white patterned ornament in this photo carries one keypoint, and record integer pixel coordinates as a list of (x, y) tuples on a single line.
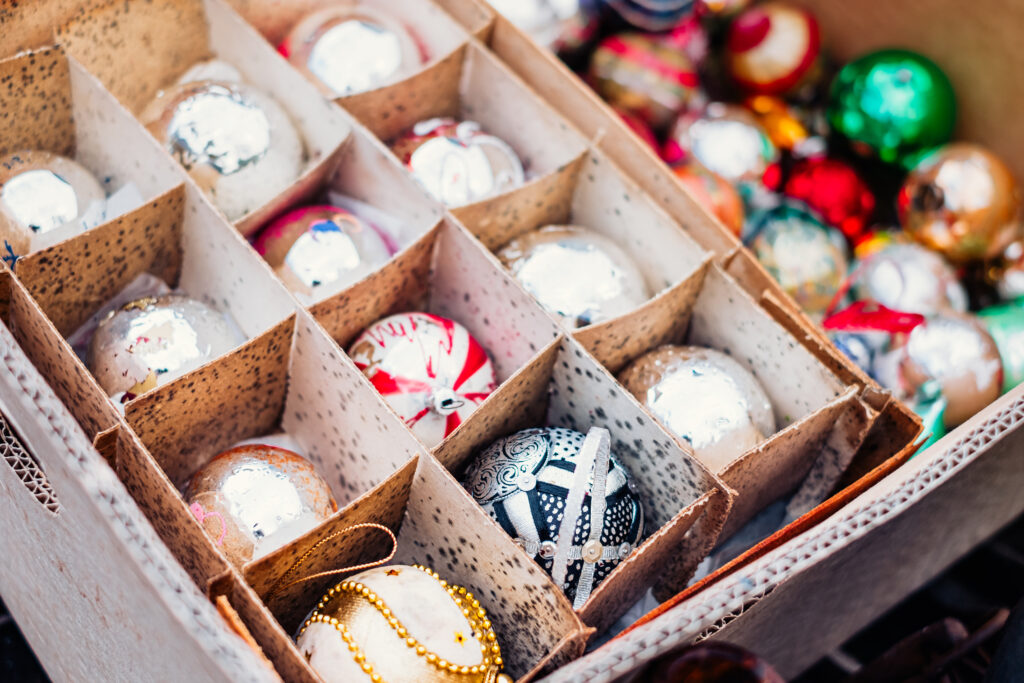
[(529, 481)]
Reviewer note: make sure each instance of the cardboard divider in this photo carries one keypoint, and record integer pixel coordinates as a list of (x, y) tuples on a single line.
[(595, 194), (566, 387), (436, 33), (438, 525), (472, 84), (138, 49), (53, 357), (52, 104), (446, 273)]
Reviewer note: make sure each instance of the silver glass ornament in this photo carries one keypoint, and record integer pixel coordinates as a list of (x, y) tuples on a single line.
[(41, 191), (909, 278)]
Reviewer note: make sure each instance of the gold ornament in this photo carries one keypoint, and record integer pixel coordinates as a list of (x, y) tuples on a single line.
[(383, 646)]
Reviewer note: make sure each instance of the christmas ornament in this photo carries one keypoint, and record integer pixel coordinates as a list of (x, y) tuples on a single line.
[(41, 191), (652, 15), (909, 278), (559, 25), (458, 163), (783, 124), (401, 623), (429, 369), (963, 202), (252, 500), (725, 139), (211, 70), (349, 49), (858, 347), (320, 250), (235, 141), (705, 398), (640, 127), (891, 103), (800, 253), (564, 498), (833, 190), (720, 9), (1007, 274), (1005, 322), (575, 273), (644, 75), (773, 48), (714, 193), (930, 406), (710, 662), (148, 342), (954, 350)]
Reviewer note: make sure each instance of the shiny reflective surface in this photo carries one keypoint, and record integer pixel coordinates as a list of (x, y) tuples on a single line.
[(251, 500), (963, 202), (550, 22), (237, 142), (727, 140), (522, 481), (579, 275), (704, 397), (319, 250), (429, 369), (772, 48), (40, 191), (149, 342), (801, 254), (909, 278), (458, 163)]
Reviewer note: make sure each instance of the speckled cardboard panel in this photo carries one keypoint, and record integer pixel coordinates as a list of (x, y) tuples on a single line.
[(445, 530), (662, 320), (400, 285), (330, 546), (166, 510), (343, 425), (392, 109), (437, 32), (35, 103), (136, 48), (477, 17), (50, 353), (220, 267), (190, 419), (75, 278), (275, 643)]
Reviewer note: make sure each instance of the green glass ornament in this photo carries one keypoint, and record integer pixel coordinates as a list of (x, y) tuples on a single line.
[(1005, 322), (892, 103), (930, 406)]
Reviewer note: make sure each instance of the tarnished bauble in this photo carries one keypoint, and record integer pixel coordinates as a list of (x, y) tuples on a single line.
[(715, 194), (41, 191), (575, 273), (963, 202), (401, 624), (773, 48), (705, 398), (909, 278), (457, 162), (319, 250), (254, 499), (235, 141), (148, 342), (724, 138), (349, 49), (429, 369)]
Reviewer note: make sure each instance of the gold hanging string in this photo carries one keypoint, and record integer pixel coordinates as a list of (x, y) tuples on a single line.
[(279, 585)]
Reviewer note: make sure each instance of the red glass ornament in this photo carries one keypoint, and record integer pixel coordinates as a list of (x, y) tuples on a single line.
[(773, 48), (834, 190), (640, 127)]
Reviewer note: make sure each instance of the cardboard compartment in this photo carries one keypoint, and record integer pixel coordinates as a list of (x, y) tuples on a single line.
[(51, 104), (437, 525), (595, 194), (365, 171), (447, 273), (138, 49), (471, 84), (436, 33), (684, 505), (820, 422)]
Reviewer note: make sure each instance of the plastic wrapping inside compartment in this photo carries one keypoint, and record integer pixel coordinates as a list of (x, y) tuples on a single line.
[(52, 104), (436, 33), (137, 49), (565, 387), (438, 525)]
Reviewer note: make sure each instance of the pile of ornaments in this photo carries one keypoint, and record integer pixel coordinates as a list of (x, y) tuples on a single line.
[(843, 180)]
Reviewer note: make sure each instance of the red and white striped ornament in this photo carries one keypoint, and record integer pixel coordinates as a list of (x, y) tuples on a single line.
[(429, 369)]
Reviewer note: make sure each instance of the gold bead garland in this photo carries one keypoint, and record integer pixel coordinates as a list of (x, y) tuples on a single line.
[(476, 615)]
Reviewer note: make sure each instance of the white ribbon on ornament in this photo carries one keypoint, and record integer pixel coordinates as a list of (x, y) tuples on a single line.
[(593, 457)]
